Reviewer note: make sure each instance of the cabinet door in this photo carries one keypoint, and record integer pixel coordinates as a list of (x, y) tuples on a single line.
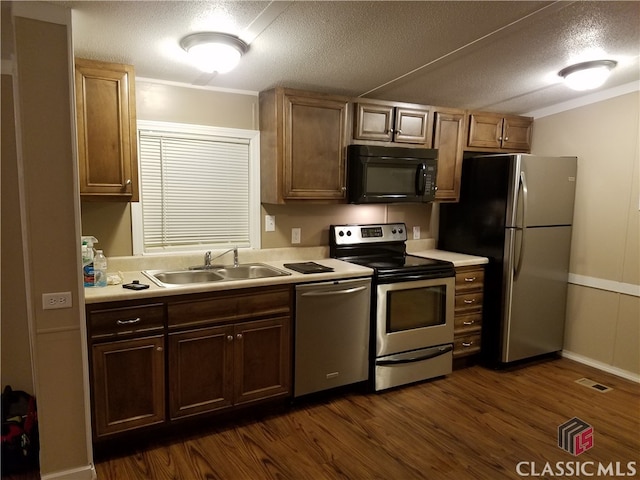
[(262, 351), (200, 371), (315, 143), (127, 384), (517, 134), (449, 140), (412, 126), (373, 122), (107, 148), (485, 130)]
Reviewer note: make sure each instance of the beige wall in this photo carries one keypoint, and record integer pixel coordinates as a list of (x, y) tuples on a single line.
[(603, 312), (46, 154), (16, 348)]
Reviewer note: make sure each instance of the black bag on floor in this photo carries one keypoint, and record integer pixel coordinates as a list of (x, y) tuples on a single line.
[(20, 443)]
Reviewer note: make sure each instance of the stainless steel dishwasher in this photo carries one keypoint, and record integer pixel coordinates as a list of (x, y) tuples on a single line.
[(331, 334)]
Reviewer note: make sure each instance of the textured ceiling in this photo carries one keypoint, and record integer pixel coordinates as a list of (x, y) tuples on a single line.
[(500, 56)]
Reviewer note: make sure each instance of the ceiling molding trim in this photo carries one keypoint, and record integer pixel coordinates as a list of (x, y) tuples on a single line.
[(197, 87), (586, 100)]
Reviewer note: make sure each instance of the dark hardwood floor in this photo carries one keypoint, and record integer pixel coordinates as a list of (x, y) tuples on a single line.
[(473, 424)]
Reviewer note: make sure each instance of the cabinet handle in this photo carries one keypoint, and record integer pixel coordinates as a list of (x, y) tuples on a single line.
[(506, 139), (468, 302), (468, 322), (467, 344), (229, 338), (500, 138), (128, 322), (128, 182), (399, 132), (158, 349), (239, 336), (469, 279)]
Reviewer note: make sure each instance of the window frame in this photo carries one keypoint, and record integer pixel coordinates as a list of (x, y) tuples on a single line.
[(253, 137)]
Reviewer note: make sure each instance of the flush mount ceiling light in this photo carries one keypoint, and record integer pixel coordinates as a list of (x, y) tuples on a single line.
[(214, 51), (587, 75)]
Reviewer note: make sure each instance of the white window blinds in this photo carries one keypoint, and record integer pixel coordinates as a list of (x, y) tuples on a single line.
[(194, 189)]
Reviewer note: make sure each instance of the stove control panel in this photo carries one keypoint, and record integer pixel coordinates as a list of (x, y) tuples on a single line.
[(363, 234)]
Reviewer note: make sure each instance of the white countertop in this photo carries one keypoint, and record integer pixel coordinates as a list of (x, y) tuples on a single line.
[(458, 259), (112, 293)]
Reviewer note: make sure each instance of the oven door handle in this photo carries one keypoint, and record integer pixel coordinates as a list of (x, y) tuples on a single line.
[(333, 292), (406, 358)]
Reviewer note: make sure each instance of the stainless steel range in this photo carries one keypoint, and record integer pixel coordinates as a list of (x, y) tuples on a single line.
[(412, 304)]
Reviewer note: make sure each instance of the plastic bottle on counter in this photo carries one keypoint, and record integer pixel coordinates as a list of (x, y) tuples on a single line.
[(100, 269)]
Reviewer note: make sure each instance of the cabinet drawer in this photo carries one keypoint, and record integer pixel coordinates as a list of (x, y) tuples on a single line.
[(468, 302), (230, 307), (467, 280), (121, 321), (467, 323), (466, 344)]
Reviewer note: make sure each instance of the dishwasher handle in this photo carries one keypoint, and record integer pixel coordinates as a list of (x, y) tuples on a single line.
[(334, 292)]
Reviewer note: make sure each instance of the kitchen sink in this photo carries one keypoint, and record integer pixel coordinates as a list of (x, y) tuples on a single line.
[(247, 271)]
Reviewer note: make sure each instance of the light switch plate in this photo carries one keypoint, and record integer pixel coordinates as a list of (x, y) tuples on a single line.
[(295, 235), (269, 223), (416, 233)]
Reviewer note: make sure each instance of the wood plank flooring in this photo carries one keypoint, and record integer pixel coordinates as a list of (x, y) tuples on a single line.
[(473, 424)]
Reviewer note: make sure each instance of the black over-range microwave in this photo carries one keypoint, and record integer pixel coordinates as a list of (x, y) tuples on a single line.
[(382, 174)]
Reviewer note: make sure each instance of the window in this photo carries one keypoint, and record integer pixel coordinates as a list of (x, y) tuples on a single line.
[(199, 188)]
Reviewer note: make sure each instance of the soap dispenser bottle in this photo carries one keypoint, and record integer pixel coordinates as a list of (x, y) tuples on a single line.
[(87, 260)]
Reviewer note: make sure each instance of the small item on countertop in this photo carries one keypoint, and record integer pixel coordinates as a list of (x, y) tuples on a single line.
[(115, 278), (100, 269), (308, 267), (135, 285), (87, 260)]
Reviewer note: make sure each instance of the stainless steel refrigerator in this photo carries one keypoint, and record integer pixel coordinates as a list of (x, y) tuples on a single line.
[(517, 210)]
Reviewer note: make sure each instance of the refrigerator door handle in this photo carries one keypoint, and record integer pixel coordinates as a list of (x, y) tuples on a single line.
[(522, 186)]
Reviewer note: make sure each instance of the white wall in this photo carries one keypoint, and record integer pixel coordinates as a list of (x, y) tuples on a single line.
[(603, 312)]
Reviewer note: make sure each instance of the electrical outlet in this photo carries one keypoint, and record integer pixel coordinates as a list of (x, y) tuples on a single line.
[(56, 300), (269, 223), (416, 233), (295, 235)]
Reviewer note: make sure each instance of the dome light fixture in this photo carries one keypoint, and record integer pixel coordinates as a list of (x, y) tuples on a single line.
[(587, 75), (214, 51)]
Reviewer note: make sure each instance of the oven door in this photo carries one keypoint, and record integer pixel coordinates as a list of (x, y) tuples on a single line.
[(413, 315)]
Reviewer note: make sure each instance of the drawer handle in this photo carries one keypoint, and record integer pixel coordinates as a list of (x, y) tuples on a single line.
[(468, 322), (129, 322), (468, 302), (469, 279), (467, 344)]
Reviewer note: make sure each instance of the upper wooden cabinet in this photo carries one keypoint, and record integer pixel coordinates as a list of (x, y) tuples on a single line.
[(502, 133), (383, 121), (303, 139), (106, 122), (449, 138)]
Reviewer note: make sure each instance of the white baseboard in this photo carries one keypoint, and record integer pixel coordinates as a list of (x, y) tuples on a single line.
[(634, 377), (87, 472)]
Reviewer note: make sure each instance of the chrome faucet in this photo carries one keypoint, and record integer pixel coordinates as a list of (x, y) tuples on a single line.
[(208, 259)]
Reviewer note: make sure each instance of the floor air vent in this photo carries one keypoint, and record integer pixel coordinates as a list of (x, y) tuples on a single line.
[(587, 382)]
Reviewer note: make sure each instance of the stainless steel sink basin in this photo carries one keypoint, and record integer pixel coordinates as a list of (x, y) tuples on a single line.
[(250, 271), (247, 271), (182, 277)]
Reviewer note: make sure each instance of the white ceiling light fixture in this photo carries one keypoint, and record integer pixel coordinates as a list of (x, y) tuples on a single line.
[(587, 75), (214, 51)]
